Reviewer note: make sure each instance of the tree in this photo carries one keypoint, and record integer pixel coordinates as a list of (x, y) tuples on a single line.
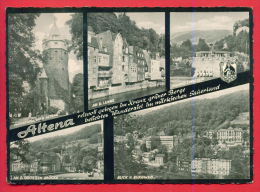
[(76, 30), (77, 93), (202, 45), (67, 159), (143, 147), (88, 163), (22, 58), (126, 124), (20, 150), (186, 49), (214, 139), (121, 23), (125, 164)]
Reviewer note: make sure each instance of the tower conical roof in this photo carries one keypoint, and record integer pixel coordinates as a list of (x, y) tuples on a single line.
[(54, 32)]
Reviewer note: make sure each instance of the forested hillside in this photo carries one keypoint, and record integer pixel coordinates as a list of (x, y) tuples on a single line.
[(89, 132), (144, 38), (210, 36), (176, 119), (182, 46)]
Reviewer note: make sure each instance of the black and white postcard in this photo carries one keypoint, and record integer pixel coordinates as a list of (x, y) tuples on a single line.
[(126, 56), (45, 66), (208, 45), (71, 154), (206, 137)]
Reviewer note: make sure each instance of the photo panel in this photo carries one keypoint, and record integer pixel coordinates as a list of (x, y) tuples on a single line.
[(206, 137), (45, 66), (70, 154), (208, 45), (126, 56), (129, 95)]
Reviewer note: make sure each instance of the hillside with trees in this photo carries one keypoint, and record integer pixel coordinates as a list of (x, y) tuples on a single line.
[(188, 122), (143, 38), (227, 42), (89, 133), (210, 36), (177, 119)]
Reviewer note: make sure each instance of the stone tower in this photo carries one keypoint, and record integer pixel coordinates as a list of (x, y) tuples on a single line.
[(43, 85), (55, 51)]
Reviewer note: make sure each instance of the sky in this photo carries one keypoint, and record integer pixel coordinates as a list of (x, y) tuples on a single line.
[(212, 95), (187, 21), (147, 20), (43, 25), (63, 132)]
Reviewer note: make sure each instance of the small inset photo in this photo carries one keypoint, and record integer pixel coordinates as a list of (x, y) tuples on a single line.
[(205, 137), (45, 66), (126, 56), (71, 154), (208, 45)]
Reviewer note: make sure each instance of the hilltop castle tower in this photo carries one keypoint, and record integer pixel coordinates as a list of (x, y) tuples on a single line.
[(55, 52)]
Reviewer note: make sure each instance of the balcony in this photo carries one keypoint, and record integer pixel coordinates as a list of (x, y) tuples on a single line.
[(104, 74), (103, 64)]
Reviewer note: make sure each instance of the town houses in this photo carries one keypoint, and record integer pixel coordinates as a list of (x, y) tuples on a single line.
[(199, 166), (63, 157), (210, 152), (167, 141), (230, 136), (51, 162), (114, 66), (218, 167)]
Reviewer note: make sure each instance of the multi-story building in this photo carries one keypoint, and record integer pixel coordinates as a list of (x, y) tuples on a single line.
[(207, 63), (113, 43), (17, 166), (183, 165), (218, 167), (114, 64), (147, 58), (156, 67), (153, 141), (230, 136), (209, 134), (99, 64), (132, 66), (159, 159)]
